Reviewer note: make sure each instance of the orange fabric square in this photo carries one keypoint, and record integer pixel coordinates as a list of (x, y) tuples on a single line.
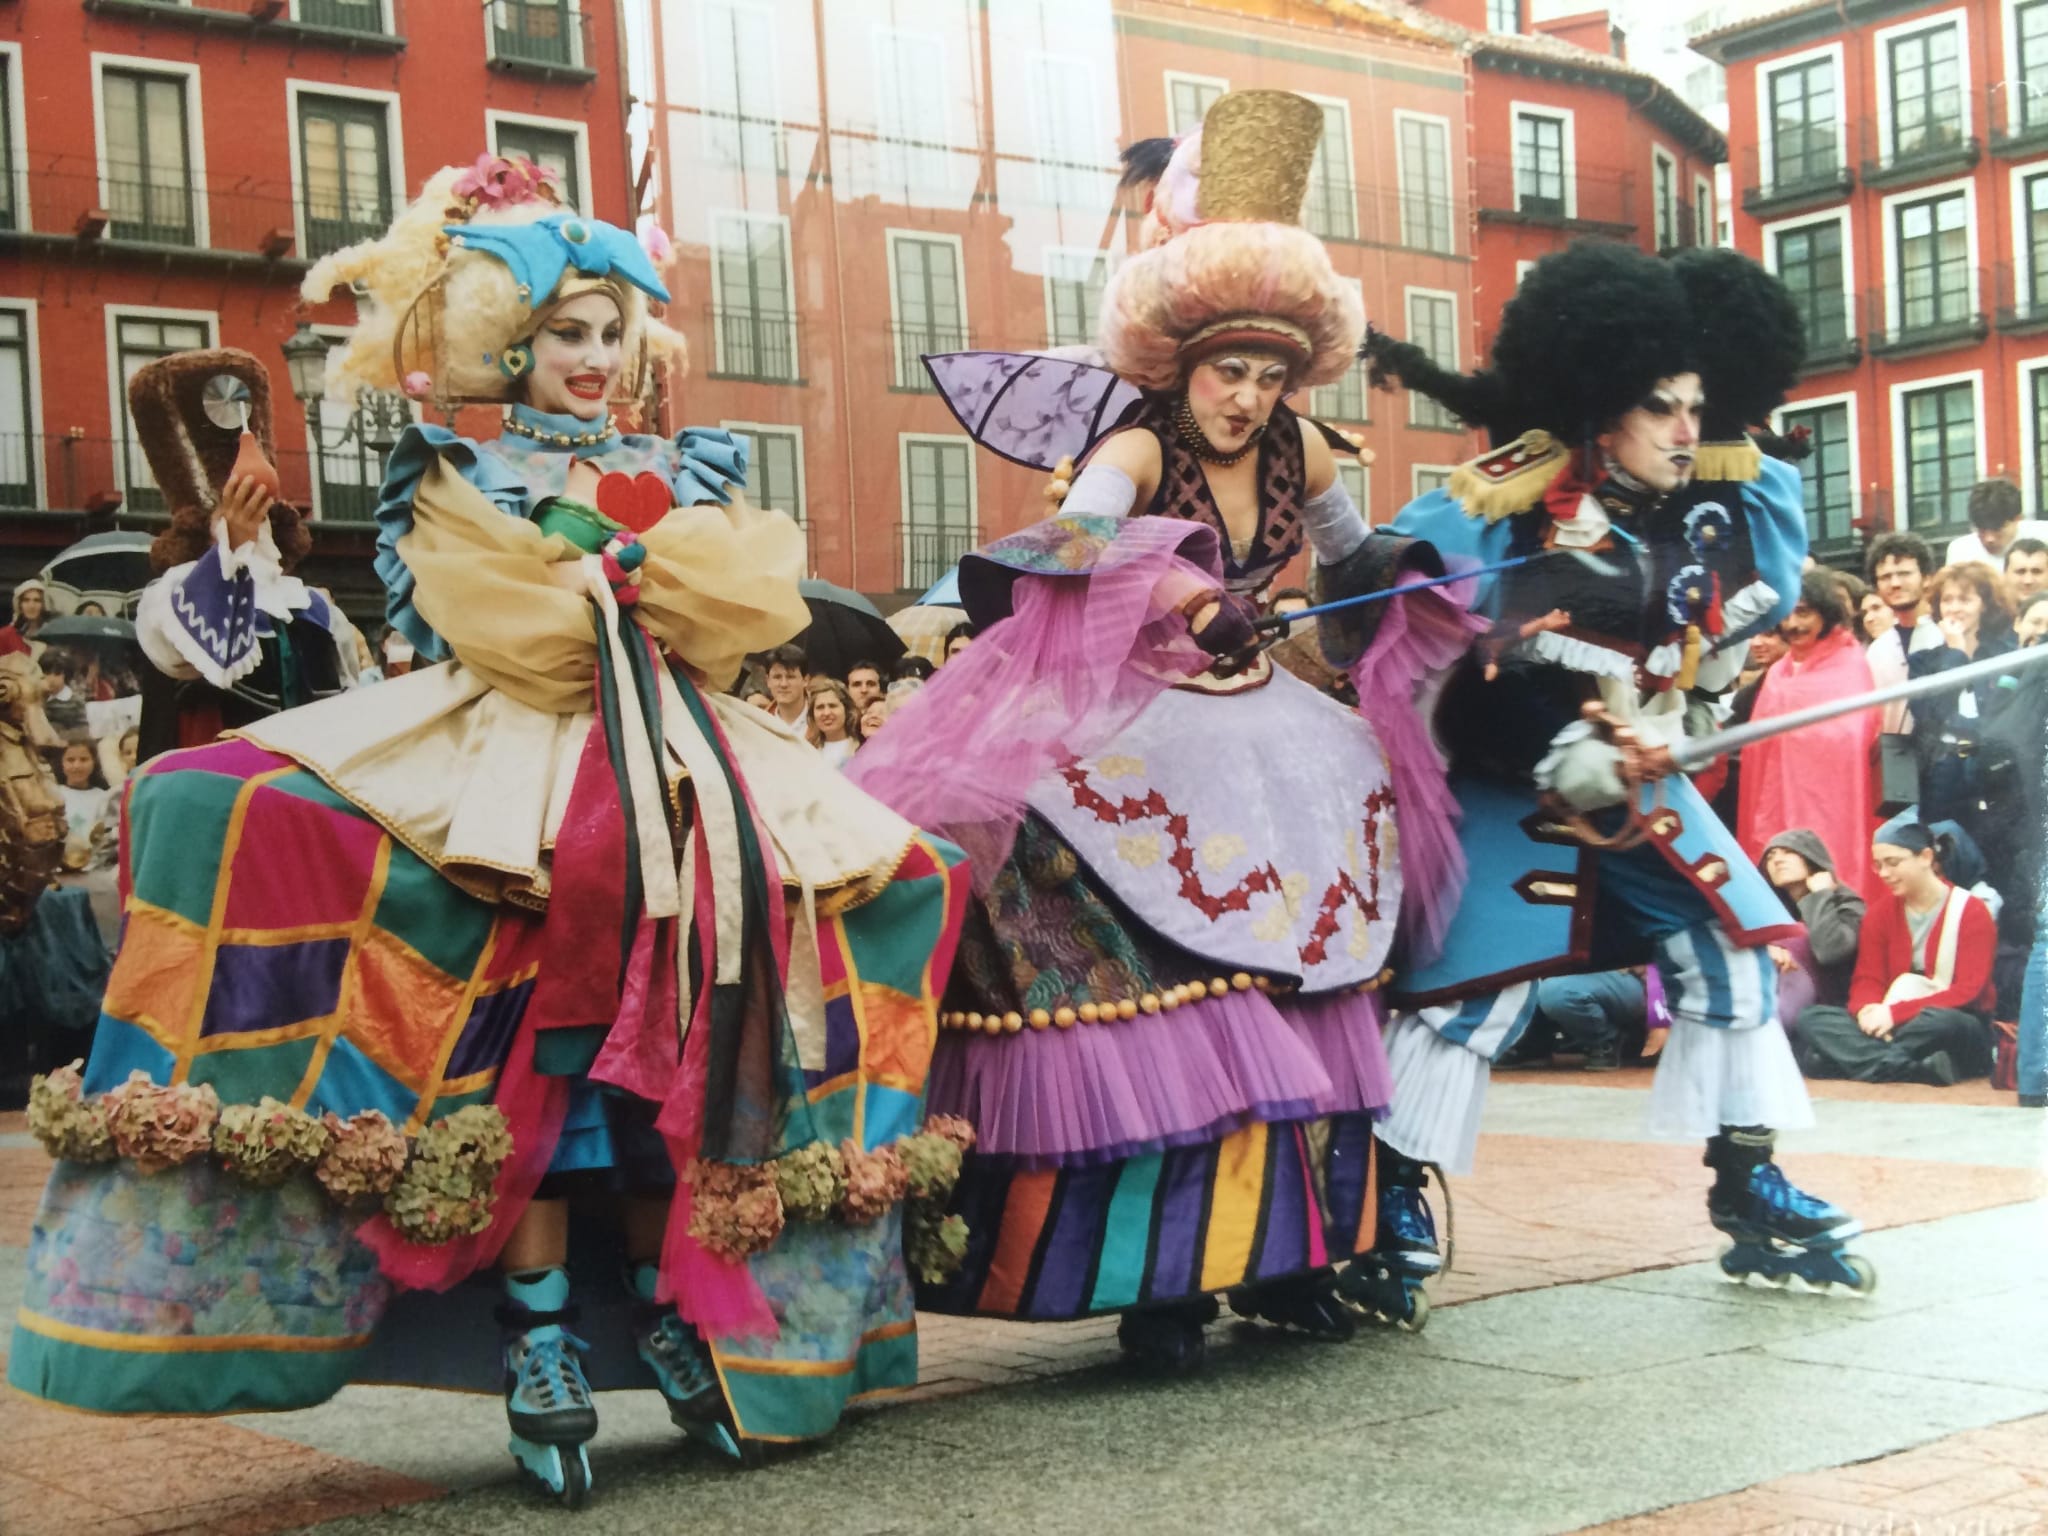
[(897, 1033), (402, 1011), (155, 974)]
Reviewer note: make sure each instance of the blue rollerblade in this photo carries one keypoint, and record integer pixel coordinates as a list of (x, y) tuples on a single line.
[(1304, 1304), (1386, 1283), (547, 1399), (682, 1368), (1782, 1235)]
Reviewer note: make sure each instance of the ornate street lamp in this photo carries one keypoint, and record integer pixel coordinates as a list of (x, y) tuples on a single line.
[(369, 434)]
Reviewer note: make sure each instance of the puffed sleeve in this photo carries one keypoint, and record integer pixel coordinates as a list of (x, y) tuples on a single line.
[(422, 445)]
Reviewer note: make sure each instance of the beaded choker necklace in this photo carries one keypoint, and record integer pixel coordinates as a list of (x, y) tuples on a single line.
[(1196, 441), (598, 434)]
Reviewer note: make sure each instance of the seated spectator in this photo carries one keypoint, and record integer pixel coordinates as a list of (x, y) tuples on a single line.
[(2026, 569), (1817, 967), (788, 684), (1600, 1017), (1995, 524), (1919, 1008), (834, 730), (958, 638), (863, 684), (1818, 777)]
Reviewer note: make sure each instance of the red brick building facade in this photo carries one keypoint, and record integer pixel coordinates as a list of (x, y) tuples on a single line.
[(172, 168)]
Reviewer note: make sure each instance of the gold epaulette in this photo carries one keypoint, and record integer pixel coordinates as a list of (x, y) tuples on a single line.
[(1741, 460), (1511, 478)]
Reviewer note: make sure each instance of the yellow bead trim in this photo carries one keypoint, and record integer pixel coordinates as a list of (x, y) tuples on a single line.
[(1124, 1009)]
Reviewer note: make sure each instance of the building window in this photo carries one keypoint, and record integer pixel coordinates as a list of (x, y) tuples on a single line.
[(149, 157), (1804, 129), (1703, 231), (1927, 91), (1941, 455), (1539, 165), (1425, 172), (1503, 15), (1332, 206), (938, 508), (352, 446), (1351, 475), (1829, 472), (1072, 154), (931, 314), (552, 149), (1433, 326), (1188, 100), (10, 215), (2034, 203), (1664, 191), (1934, 262), (2037, 389), (1810, 266), (910, 112), (751, 307), (17, 425), (742, 125), (775, 462), (1074, 281), (344, 15), (2029, 108), (345, 170), (139, 339), (1347, 399), (535, 32), (1425, 478)]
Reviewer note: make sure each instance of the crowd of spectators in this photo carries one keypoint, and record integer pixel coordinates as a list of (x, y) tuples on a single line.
[(837, 714)]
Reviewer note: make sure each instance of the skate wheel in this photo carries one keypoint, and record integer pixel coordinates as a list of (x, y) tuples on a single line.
[(1863, 1270), (1418, 1311), (575, 1480)]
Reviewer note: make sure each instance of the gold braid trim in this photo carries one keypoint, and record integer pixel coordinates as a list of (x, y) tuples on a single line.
[(1510, 479), (1740, 461)]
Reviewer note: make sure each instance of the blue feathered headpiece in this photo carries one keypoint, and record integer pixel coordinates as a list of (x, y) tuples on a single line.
[(537, 254)]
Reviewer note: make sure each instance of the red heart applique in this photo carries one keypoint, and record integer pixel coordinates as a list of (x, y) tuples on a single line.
[(639, 501)]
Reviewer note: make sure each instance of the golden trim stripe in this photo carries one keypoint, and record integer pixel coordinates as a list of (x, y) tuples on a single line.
[(183, 1344)]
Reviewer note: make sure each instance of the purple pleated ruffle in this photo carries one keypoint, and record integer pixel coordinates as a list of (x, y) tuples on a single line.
[(1099, 1093)]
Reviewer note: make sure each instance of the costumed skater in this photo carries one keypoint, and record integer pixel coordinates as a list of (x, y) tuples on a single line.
[(231, 635), (555, 911), (1632, 619), (1186, 893)]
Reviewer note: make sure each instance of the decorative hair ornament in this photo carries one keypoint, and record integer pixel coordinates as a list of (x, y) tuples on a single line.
[(495, 181), (515, 361), (538, 253)]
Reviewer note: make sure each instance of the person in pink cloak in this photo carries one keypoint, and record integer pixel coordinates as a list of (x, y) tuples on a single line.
[(1818, 777)]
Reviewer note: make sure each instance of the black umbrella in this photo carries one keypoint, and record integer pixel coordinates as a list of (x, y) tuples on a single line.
[(845, 628), (104, 562), (88, 630)]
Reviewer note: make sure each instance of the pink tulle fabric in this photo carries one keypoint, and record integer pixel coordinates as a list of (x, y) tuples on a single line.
[(1072, 665), (1046, 1098), (1419, 634)]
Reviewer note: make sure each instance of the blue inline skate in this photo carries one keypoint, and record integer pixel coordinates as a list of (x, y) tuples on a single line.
[(1304, 1304), (682, 1368), (547, 1399), (1781, 1234), (1386, 1283)]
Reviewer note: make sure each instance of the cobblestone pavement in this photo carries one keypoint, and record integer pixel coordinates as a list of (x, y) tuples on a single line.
[(1584, 1366)]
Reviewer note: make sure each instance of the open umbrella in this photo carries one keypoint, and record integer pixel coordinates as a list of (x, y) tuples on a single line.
[(845, 628), (924, 628), (945, 592), (103, 562), (88, 631)]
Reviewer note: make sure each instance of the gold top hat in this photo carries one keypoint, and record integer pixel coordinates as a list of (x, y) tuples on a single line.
[(1256, 151)]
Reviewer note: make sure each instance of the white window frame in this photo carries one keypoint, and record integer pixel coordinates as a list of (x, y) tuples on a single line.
[(2023, 404), (1660, 156), (1517, 110), (904, 442), (2009, 58), (35, 450), (891, 238), (337, 335), (1417, 471), (1522, 271), (575, 9), (1895, 399), (883, 36), (2022, 269), (1364, 498), (117, 386), (802, 516), (1888, 215), (195, 131), (1350, 184), (1881, 68), (394, 144), (1767, 128), (1402, 114), (384, 20), (1853, 400), (1057, 177), (1705, 216), (703, 61), (1455, 363), (1313, 406), (1051, 257), (579, 131), (1187, 77), (17, 131), (781, 220), (1839, 214)]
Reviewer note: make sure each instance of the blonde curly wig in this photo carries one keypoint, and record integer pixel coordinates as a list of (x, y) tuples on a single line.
[(433, 318)]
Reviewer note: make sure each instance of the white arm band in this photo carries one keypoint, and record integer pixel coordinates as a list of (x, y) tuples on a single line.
[(1334, 524), (1100, 490)]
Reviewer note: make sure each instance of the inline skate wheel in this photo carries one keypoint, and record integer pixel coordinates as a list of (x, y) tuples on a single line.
[(1865, 1273)]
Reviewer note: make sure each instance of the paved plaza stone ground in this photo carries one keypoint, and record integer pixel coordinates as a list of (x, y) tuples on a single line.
[(1586, 1368)]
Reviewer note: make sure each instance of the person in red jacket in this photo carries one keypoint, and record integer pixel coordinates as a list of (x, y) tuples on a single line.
[(1921, 998)]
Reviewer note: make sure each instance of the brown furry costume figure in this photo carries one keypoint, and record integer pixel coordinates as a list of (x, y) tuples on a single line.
[(231, 634), (31, 814)]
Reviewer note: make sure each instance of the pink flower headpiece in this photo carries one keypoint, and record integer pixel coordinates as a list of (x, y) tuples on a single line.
[(497, 182)]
